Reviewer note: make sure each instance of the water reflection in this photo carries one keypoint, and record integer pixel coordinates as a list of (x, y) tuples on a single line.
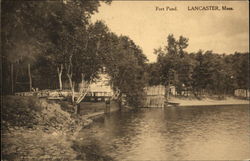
[(193, 133)]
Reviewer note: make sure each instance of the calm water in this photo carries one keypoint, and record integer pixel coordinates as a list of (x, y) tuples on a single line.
[(176, 133)]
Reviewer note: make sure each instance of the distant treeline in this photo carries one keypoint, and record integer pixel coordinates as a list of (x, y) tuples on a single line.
[(47, 43), (202, 72)]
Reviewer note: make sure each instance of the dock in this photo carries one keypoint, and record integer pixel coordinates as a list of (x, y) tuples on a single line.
[(175, 104)]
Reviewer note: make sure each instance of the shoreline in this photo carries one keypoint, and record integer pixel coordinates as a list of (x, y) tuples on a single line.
[(49, 135), (216, 105), (59, 129), (209, 102)]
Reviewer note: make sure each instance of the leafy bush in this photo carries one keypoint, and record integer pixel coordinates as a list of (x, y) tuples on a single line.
[(20, 111)]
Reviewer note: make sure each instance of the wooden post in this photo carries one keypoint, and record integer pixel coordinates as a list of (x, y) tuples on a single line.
[(30, 79), (107, 105)]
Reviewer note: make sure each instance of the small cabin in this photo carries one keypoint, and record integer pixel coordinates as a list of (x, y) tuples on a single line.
[(100, 90)]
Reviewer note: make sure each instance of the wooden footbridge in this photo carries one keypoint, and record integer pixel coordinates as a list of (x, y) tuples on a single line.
[(155, 96), (64, 94)]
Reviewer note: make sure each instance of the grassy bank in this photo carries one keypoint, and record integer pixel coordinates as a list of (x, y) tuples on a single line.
[(36, 129), (33, 113)]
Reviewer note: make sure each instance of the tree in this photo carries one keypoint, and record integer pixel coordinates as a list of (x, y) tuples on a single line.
[(125, 63), (45, 26), (174, 63), (153, 75)]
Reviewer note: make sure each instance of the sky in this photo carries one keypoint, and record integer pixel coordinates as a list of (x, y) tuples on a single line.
[(224, 31)]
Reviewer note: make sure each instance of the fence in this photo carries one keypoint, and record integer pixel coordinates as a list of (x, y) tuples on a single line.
[(155, 96), (242, 93)]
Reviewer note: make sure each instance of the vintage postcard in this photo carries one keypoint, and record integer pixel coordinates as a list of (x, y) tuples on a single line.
[(107, 80)]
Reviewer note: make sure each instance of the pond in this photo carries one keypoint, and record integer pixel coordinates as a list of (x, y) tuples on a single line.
[(174, 133)]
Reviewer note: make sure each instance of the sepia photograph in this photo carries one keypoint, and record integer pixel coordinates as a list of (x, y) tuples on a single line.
[(124, 80)]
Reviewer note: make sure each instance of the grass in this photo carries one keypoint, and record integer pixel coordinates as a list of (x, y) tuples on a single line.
[(32, 112)]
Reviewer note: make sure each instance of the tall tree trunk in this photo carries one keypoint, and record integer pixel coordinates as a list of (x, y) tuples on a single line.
[(82, 88), (30, 79), (12, 78), (59, 72), (60, 81), (72, 88), (16, 75), (69, 75)]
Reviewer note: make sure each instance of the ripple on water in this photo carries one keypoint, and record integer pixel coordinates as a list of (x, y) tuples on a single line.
[(196, 133)]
